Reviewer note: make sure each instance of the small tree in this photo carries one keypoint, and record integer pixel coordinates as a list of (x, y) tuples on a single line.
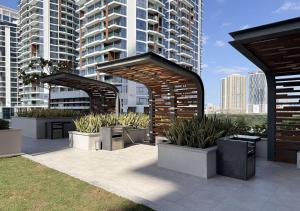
[(48, 67)]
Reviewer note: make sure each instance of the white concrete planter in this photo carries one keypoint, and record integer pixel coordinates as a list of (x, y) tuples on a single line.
[(10, 142), (35, 127), (193, 161), (85, 141), (262, 149)]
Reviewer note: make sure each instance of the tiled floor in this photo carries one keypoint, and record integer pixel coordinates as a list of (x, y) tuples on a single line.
[(133, 173)]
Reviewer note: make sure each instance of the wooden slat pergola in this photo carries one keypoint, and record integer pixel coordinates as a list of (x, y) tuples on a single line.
[(104, 97), (275, 49), (173, 91)]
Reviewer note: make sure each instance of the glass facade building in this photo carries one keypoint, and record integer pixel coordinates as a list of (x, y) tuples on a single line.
[(258, 94), (47, 30), (8, 62), (115, 29)]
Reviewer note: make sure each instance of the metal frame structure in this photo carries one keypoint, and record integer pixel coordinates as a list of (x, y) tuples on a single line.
[(104, 97), (173, 90), (275, 49)]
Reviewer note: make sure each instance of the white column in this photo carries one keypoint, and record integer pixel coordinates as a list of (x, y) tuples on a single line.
[(7, 68), (46, 27), (131, 28), (131, 47)]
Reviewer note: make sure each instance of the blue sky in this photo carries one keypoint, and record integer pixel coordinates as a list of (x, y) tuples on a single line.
[(220, 18)]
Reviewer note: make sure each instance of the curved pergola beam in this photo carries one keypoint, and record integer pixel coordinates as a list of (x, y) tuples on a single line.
[(174, 92), (104, 97)]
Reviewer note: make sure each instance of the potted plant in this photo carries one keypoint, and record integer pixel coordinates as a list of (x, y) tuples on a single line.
[(36, 123), (191, 145), (135, 127), (10, 140), (87, 133)]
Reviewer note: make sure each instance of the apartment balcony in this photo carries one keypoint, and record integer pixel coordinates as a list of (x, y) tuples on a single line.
[(173, 39), (187, 3), (156, 2), (184, 10), (185, 37), (185, 19), (185, 55), (155, 31), (153, 19), (154, 9)]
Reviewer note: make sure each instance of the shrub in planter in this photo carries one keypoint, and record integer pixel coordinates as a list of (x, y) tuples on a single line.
[(193, 142), (4, 125), (199, 132), (48, 113), (135, 120)]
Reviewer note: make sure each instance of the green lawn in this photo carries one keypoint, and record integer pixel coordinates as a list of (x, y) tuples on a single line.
[(26, 185)]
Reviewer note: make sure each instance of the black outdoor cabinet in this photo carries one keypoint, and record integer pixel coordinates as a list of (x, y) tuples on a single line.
[(236, 157)]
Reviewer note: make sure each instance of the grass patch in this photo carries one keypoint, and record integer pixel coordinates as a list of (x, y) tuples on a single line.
[(26, 185)]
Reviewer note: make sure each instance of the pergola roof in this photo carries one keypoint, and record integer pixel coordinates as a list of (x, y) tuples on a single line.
[(103, 96), (275, 48), (173, 90)]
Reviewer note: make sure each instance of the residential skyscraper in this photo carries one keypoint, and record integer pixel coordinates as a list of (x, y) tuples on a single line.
[(258, 96), (233, 94), (47, 30), (111, 30), (8, 61)]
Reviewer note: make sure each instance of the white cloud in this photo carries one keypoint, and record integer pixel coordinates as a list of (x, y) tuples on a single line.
[(225, 24), (245, 27), (204, 66), (288, 6), (204, 39), (219, 44), (232, 70)]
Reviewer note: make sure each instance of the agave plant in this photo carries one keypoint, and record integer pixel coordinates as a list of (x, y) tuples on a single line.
[(135, 120), (199, 132)]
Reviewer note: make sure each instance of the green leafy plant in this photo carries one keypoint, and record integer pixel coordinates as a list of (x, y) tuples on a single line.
[(135, 120), (248, 124), (93, 122), (199, 132), (4, 125), (48, 113)]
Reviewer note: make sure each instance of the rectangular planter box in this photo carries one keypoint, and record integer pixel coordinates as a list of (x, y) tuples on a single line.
[(134, 135), (10, 142), (193, 161), (36, 127), (111, 138), (85, 141)]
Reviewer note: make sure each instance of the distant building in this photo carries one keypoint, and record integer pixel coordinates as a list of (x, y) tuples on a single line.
[(110, 30), (233, 94), (258, 96), (212, 109), (8, 61), (47, 30)]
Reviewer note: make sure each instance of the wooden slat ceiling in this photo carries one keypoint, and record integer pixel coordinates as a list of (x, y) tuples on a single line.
[(103, 96)]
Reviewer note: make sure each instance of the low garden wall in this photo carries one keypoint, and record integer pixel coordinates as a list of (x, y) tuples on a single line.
[(10, 142), (36, 127)]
